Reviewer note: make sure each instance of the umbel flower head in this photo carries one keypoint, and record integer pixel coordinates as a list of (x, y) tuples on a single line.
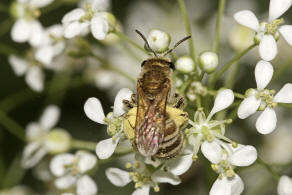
[(71, 170), (268, 32), (113, 120), (93, 17), (263, 99), (147, 174), (42, 138)]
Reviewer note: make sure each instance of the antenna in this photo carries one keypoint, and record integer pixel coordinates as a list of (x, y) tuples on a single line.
[(146, 42), (177, 44)]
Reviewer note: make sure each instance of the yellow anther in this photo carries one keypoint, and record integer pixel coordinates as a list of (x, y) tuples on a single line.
[(194, 157), (234, 144), (215, 167), (156, 188), (128, 165), (138, 185), (210, 137), (230, 173), (225, 164), (228, 121)]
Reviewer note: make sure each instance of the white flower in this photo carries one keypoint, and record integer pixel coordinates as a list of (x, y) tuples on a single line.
[(264, 99), (145, 177), (94, 111), (41, 140), (71, 171), (27, 28), (228, 182), (208, 61), (268, 33), (185, 64), (51, 46), (285, 186), (207, 131), (158, 40), (93, 17), (34, 75)]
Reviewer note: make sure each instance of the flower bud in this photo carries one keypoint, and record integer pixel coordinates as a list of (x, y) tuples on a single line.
[(58, 140), (208, 61), (185, 64), (158, 40), (111, 19)]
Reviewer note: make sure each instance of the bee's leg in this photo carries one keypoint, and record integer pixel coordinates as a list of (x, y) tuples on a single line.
[(128, 104), (134, 98), (179, 102)]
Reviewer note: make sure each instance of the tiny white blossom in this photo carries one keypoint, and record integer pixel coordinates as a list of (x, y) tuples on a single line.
[(208, 61), (79, 21), (158, 40), (34, 75), (42, 138), (71, 170), (268, 32), (94, 111), (185, 64), (285, 185), (264, 99)]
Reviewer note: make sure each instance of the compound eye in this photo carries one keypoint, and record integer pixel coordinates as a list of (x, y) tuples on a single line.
[(171, 65), (143, 63)]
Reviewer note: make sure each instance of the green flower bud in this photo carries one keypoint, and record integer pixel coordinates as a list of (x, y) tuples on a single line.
[(208, 61), (158, 40), (58, 141), (185, 64)]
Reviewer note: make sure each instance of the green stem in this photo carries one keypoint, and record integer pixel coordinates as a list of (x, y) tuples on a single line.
[(13, 127), (268, 168), (85, 145), (130, 52), (229, 64), (198, 101), (188, 30), (184, 87), (110, 66), (231, 77), (133, 43), (218, 26)]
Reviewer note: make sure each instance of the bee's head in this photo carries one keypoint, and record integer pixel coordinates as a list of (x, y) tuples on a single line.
[(165, 53)]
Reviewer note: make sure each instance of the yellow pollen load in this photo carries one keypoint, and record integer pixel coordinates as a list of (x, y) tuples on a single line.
[(230, 173), (128, 165)]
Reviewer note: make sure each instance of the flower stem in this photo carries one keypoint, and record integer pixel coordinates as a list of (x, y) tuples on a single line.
[(221, 8), (188, 31), (127, 39), (109, 66), (80, 144), (13, 127), (236, 58), (268, 168)]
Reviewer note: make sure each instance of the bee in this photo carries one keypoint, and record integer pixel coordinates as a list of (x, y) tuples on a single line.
[(153, 124)]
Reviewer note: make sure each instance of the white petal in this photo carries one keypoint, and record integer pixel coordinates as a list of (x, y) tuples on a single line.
[(86, 161), (73, 15), (263, 74), (286, 32), (45, 54), (94, 111), (58, 163), (32, 154), (268, 48), (86, 186), (18, 65), (118, 177), (33, 131), (35, 78), (221, 187), (212, 151), (165, 177), (142, 191), (285, 186), (248, 19), (267, 121), (285, 94), (65, 182), (37, 34), (123, 94), (21, 31), (181, 164), (50, 117), (248, 107), (243, 156), (278, 7), (237, 185), (105, 148), (75, 28), (99, 27), (39, 4), (223, 100)]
